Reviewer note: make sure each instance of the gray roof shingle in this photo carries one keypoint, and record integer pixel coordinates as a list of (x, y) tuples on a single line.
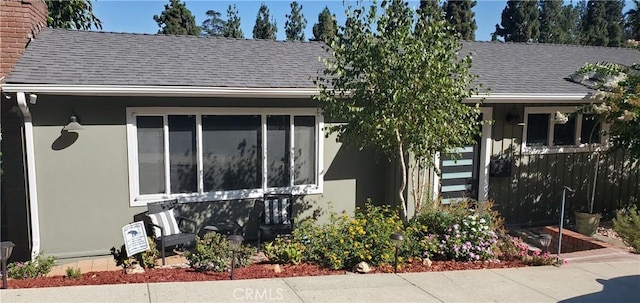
[(98, 58)]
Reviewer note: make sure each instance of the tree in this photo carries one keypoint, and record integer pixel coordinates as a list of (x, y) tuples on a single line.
[(615, 22), (72, 14), (265, 28), (326, 28), (295, 24), (176, 19), (393, 87), (617, 102), (427, 9), (551, 21), (519, 22), (571, 22), (594, 24), (632, 21), (214, 25), (461, 17), (231, 28)]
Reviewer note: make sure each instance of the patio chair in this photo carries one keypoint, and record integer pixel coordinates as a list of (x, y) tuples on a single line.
[(276, 216), (167, 227)]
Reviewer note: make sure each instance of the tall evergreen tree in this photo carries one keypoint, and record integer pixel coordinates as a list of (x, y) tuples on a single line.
[(326, 28), (551, 21), (519, 22), (176, 19), (429, 9), (265, 27), (295, 24), (632, 21), (72, 14), (595, 29), (213, 25), (615, 22), (460, 16), (231, 28), (571, 22)]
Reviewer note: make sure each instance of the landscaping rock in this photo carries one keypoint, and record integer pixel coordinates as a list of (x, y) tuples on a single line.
[(427, 262), (362, 268), (277, 269), (134, 269)]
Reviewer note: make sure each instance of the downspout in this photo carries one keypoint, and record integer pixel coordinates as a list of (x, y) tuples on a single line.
[(31, 175)]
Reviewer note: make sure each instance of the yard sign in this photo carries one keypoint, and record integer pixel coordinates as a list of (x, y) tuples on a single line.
[(135, 238)]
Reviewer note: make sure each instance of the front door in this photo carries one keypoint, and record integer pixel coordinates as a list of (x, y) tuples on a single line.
[(462, 174)]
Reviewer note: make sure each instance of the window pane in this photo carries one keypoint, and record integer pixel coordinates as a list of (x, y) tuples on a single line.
[(590, 132), (182, 154), (150, 155), (565, 134), (231, 152), (537, 129), (278, 147), (304, 149)]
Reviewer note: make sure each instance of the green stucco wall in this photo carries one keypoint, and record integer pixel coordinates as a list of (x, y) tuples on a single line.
[(82, 182)]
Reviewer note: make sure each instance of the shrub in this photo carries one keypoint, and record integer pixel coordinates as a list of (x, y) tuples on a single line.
[(73, 273), (535, 258), (146, 259), (627, 225), (461, 231), (346, 241), (284, 251), (31, 269), (213, 253)]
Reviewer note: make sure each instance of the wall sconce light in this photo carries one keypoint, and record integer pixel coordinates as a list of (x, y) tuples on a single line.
[(513, 117), (33, 98), (73, 124), (6, 248)]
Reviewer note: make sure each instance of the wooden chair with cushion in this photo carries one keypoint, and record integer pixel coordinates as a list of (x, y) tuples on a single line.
[(276, 216), (167, 227)]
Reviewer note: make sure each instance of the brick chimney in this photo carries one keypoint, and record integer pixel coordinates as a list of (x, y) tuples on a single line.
[(20, 20)]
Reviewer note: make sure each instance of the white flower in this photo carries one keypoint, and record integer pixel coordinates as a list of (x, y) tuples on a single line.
[(627, 116), (598, 96), (601, 109), (560, 118)]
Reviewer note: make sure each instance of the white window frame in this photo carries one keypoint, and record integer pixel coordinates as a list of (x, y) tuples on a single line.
[(577, 147), (135, 199)]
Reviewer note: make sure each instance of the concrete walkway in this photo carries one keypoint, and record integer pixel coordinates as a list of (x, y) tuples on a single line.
[(583, 282)]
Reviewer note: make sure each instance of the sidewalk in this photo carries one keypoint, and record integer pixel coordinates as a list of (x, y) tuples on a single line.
[(583, 282)]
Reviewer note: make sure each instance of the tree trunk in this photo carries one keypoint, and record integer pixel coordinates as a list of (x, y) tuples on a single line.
[(403, 185)]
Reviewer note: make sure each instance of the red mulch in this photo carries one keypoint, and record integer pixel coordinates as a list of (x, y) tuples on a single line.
[(255, 271)]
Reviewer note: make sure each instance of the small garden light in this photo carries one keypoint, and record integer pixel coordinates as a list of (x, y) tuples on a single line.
[(6, 248), (397, 239), (235, 241), (545, 241)]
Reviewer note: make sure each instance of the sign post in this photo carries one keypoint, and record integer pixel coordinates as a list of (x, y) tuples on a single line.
[(135, 238)]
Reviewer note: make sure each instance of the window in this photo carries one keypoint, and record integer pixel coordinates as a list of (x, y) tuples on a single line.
[(221, 153), (541, 134)]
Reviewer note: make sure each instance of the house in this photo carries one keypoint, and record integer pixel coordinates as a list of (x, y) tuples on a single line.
[(217, 122)]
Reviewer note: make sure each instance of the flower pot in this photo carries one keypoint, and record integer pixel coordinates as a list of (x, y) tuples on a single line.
[(587, 223)]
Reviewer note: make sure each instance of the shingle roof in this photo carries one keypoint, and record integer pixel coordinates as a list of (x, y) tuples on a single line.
[(521, 68), (97, 58), (73, 57)]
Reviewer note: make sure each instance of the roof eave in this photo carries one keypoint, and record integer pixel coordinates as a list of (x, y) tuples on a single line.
[(529, 98), (168, 91)]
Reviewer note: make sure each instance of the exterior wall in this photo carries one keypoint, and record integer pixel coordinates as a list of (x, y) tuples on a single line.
[(19, 19), (532, 193), (83, 180)]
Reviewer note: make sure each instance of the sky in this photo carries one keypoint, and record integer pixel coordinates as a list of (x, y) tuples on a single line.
[(137, 16)]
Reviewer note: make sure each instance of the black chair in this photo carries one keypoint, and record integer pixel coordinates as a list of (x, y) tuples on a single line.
[(276, 216), (176, 231)]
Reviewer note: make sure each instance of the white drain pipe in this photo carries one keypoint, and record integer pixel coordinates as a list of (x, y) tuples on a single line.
[(31, 175)]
